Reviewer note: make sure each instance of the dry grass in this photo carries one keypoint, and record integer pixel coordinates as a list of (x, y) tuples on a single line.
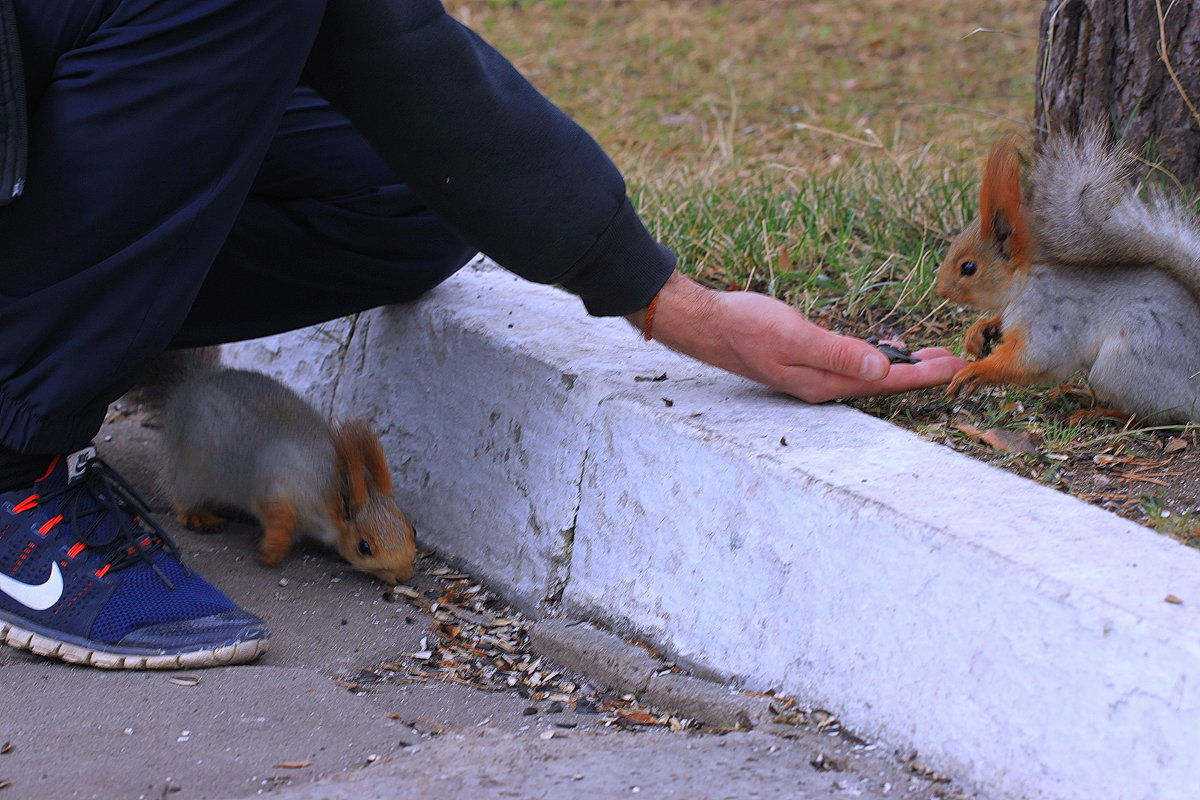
[(824, 152), (714, 91), (818, 152)]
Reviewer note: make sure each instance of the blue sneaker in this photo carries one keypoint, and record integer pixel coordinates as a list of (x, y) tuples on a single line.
[(88, 577)]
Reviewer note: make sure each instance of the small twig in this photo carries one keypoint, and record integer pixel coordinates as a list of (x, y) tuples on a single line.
[(1000, 32), (953, 107), (1045, 65), (916, 326), (1162, 53), (1126, 430), (804, 126), (1141, 479)]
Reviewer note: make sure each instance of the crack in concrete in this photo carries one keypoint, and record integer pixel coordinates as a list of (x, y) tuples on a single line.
[(342, 351), (554, 597)]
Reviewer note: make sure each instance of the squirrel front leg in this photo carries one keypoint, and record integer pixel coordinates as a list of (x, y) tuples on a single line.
[(278, 518), (1008, 363)]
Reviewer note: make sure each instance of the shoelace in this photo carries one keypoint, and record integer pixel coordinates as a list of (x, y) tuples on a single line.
[(98, 495)]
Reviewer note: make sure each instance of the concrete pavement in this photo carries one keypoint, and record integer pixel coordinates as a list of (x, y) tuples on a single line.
[(336, 708)]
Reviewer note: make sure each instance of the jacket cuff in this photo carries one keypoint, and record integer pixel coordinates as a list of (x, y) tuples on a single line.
[(623, 270)]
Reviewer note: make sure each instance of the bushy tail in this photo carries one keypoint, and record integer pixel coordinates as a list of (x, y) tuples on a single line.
[(170, 369), (1085, 210)]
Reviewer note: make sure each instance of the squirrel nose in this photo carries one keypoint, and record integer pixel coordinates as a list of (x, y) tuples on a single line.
[(395, 576)]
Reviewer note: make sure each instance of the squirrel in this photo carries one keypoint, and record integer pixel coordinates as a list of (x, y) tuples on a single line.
[(1083, 274), (240, 439)]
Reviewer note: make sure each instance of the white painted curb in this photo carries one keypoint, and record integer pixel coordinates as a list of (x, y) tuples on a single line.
[(1019, 639)]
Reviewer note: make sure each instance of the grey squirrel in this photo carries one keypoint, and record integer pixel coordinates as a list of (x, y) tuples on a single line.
[(240, 439), (1083, 274)]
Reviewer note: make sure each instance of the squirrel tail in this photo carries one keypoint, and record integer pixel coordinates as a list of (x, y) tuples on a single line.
[(169, 370), (1085, 209)]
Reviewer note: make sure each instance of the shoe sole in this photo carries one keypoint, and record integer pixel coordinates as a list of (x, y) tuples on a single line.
[(237, 653)]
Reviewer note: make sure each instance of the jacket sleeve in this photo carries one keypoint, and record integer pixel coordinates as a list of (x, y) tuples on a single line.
[(499, 163), (13, 131)]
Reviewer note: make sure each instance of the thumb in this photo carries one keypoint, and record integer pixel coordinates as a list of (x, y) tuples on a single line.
[(851, 357)]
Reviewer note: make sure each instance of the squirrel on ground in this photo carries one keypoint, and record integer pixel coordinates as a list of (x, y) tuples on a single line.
[(239, 439), (1083, 274)]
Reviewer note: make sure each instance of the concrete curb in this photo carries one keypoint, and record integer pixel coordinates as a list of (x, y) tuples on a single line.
[(1018, 638), (629, 669)]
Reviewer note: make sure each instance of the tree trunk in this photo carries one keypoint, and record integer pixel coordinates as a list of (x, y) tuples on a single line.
[(1101, 61)]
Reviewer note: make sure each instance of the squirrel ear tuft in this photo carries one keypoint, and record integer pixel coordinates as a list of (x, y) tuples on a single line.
[(361, 459), (1001, 215)]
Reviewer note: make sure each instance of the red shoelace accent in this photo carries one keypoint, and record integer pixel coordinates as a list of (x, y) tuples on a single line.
[(26, 504), (49, 524)]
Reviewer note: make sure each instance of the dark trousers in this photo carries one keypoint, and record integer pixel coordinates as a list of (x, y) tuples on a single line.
[(183, 191)]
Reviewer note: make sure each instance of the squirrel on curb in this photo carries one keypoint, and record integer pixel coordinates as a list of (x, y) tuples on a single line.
[(1083, 274), (240, 439)]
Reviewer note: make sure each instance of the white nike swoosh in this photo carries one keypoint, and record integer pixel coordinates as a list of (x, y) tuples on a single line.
[(38, 596)]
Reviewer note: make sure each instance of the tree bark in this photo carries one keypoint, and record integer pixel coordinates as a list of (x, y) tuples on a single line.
[(1101, 62)]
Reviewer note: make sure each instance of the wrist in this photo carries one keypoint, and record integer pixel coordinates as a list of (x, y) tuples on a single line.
[(684, 319), (680, 301)]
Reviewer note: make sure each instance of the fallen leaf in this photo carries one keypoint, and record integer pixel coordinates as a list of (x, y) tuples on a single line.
[(968, 429), (1009, 441), (1172, 599), (1175, 444)]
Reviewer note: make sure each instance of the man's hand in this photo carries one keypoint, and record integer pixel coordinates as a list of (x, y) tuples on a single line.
[(766, 340)]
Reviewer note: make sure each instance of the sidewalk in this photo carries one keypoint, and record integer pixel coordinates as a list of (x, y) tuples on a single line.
[(339, 708), (1017, 638)]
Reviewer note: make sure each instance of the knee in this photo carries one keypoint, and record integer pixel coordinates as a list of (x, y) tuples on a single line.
[(290, 21)]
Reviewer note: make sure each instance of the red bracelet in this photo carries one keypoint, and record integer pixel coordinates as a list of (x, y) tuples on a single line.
[(649, 323)]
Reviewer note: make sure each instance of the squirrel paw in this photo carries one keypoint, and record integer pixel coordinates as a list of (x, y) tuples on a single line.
[(273, 548), (200, 520), (982, 337), (967, 380)]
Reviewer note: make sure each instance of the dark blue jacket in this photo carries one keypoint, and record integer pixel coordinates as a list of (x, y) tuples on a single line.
[(500, 164), (13, 132)]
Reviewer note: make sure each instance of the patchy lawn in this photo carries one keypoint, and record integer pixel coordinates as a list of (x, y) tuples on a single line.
[(824, 152)]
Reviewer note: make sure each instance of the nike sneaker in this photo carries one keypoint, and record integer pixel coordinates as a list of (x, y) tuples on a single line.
[(87, 576)]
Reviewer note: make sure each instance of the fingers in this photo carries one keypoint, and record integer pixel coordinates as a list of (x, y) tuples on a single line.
[(842, 366), (933, 352), (841, 355), (936, 367), (768, 341), (930, 371)]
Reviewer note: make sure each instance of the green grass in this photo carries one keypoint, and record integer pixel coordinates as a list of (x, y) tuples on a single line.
[(824, 152), (817, 151), (874, 240)]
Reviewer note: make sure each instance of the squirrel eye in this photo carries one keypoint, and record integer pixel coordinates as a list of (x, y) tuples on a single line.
[(364, 547), (968, 268)]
